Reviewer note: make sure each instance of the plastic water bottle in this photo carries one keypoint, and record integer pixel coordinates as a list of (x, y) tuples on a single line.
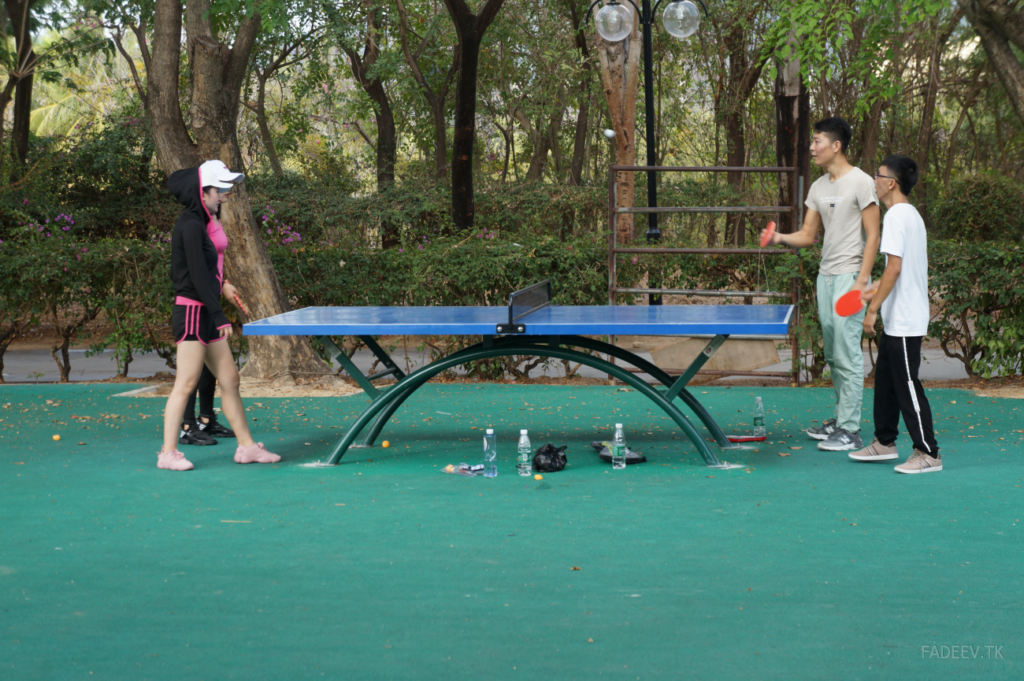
[(619, 448), (525, 454), (759, 430), (490, 454)]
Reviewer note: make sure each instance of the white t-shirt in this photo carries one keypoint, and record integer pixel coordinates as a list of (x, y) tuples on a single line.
[(905, 312)]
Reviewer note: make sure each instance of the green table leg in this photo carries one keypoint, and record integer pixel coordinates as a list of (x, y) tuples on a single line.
[(413, 381)]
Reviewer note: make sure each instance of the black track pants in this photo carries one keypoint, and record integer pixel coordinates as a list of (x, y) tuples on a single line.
[(898, 391)]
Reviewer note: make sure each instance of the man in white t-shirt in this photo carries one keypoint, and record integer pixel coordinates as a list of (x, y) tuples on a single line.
[(843, 202), (902, 296)]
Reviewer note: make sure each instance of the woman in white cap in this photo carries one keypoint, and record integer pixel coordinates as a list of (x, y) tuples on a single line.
[(200, 327)]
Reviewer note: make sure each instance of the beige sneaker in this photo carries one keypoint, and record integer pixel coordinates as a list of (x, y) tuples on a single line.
[(875, 451), (919, 462)]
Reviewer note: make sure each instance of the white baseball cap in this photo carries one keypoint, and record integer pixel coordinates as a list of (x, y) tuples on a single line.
[(216, 174)]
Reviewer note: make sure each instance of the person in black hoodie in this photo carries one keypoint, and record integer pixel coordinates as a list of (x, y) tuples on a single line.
[(200, 327)]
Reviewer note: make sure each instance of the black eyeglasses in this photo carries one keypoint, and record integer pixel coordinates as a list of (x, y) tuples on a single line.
[(888, 177)]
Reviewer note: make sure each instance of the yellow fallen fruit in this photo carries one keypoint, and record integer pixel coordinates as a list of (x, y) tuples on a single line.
[(538, 477), (56, 437), (385, 444)]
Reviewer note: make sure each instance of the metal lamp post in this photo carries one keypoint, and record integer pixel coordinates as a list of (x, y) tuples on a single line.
[(614, 22)]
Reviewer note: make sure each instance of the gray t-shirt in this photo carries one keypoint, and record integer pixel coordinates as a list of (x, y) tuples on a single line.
[(840, 204)]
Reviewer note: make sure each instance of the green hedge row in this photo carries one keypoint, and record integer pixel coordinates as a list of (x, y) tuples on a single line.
[(52, 274)]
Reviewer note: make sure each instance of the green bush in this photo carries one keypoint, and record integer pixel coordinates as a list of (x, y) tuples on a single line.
[(981, 207), (980, 291)]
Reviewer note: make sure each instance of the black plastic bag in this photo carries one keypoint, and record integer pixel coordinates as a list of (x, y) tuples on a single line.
[(550, 458)]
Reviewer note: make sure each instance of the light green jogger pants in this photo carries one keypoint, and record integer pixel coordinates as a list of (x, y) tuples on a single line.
[(843, 353)]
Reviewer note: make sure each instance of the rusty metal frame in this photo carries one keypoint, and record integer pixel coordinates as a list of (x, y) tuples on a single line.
[(614, 250)]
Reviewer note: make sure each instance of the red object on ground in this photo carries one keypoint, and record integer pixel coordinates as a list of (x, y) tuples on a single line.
[(850, 304), (746, 438), (769, 232)]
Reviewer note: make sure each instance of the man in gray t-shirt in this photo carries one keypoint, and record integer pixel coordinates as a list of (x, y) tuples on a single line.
[(843, 203)]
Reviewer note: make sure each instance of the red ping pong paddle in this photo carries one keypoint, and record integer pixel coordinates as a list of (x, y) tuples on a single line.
[(769, 232), (241, 306), (850, 304)]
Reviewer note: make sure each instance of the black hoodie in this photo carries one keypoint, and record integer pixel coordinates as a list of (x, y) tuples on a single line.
[(193, 255)]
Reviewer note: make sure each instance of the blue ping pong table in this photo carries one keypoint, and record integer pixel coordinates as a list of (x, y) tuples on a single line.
[(541, 330)]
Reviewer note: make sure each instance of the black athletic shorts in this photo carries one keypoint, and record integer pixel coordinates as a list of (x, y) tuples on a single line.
[(191, 322)]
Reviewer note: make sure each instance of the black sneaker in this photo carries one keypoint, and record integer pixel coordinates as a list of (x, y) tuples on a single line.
[(214, 428), (193, 435), (824, 431), (841, 440)]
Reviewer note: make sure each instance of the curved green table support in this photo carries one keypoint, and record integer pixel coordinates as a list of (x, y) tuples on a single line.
[(398, 396), (409, 384)]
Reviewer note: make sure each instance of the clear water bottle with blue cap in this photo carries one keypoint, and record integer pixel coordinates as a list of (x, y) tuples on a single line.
[(619, 448), (490, 454), (759, 429), (523, 462)]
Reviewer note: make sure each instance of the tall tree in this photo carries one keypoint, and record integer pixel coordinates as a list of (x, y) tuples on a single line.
[(276, 51), (1000, 24), (216, 76), (435, 94), (620, 69), (470, 28), (579, 145), (370, 19), (745, 64), (792, 135), (20, 14), (931, 93)]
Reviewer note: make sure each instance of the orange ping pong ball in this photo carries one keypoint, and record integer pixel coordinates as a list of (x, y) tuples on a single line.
[(538, 477), (385, 444), (56, 437)]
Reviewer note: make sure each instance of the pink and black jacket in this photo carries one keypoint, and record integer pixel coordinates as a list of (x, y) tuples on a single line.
[(196, 266)]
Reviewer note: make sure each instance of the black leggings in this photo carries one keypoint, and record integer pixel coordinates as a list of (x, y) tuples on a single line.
[(207, 386)]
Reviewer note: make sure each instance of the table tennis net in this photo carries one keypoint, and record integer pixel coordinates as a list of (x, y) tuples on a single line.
[(527, 300)]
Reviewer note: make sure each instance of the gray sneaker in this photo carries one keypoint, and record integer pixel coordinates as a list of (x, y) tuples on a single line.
[(875, 451), (919, 462), (823, 431), (841, 440)]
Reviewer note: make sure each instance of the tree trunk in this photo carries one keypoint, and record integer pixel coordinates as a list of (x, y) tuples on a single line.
[(217, 73), (387, 136), (995, 38), (869, 136), (464, 135), (968, 103), (22, 116), (924, 140), (579, 145), (743, 78), (544, 140), (539, 157), (470, 29), (436, 101), (18, 12), (792, 132), (620, 69), (264, 127)]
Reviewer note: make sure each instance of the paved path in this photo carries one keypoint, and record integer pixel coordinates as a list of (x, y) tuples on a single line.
[(31, 365)]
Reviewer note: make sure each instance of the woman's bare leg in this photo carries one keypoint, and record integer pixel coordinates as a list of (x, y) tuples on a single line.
[(222, 364), (190, 365)]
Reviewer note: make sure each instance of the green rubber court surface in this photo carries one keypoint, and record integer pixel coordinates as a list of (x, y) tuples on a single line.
[(804, 566)]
